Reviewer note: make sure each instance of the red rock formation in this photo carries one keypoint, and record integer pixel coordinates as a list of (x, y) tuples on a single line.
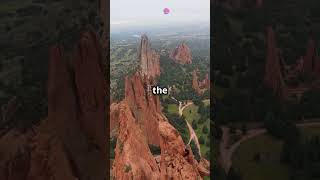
[(49, 160), (141, 122), (133, 159), (177, 161), (145, 106), (71, 143), (273, 78), (200, 86), (181, 54), (149, 59), (90, 87)]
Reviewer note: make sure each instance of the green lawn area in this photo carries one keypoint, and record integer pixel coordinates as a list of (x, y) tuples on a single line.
[(173, 109), (269, 148), (269, 167), (191, 113)]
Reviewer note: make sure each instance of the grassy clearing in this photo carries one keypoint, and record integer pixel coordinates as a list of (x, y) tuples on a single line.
[(269, 167), (173, 109), (269, 148), (191, 113)]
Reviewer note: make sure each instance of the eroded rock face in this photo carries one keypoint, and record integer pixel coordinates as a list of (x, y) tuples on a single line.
[(182, 54), (133, 159), (177, 161), (149, 59), (90, 87), (200, 86), (144, 106), (49, 159), (76, 105)]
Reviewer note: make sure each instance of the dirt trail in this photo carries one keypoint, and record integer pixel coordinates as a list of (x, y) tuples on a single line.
[(227, 152), (181, 108), (193, 135)]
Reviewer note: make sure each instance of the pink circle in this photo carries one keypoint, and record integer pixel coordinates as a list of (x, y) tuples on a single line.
[(166, 10)]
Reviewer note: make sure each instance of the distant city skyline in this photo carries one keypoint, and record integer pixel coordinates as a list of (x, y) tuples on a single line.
[(128, 13)]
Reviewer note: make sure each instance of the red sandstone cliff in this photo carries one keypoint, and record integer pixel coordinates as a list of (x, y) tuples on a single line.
[(177, 161), (144, 106), (149, 59), (133, 159), (181, 54)]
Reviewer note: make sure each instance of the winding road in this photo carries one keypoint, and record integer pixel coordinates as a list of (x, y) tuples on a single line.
[(226, 153)]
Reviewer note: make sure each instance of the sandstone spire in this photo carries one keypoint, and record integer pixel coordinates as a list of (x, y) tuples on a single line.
[(149, 59), (273, 78)]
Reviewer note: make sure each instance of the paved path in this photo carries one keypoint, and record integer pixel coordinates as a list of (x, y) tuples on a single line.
[(227, 152)]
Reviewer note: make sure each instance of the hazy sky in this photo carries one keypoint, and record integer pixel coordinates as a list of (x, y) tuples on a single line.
[(150, 12)]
